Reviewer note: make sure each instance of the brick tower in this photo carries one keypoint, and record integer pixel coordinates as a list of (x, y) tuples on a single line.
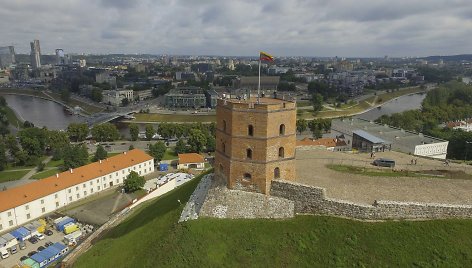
[(255, 142)]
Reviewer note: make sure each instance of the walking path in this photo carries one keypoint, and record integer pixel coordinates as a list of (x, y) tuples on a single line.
[(26, 178)]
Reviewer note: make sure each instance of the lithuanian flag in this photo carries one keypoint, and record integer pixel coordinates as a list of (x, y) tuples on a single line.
[(266, 56)]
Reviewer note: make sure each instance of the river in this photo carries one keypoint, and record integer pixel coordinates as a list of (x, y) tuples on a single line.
[(42, 113), (398, 105)]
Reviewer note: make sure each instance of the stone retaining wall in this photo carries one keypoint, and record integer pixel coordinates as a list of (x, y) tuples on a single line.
[(311, 199)]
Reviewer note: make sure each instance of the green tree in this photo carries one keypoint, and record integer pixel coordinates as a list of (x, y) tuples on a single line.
[(301, 125), (100, 153), (180, 147), (3, 156), (133, 182), (157, 150), (124, 102), (96, 94), (65, 95), (210, 144), (197, 140), (131, 147), (105, 132), (27, 124), (11, 144), (133, 131), (149, 131), (75, 156), (317, 101), (77, 131)]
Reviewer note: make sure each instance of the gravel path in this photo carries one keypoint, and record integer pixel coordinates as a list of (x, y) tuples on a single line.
[(311, 169)]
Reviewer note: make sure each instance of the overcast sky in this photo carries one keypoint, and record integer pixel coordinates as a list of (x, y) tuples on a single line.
[(354, 28)]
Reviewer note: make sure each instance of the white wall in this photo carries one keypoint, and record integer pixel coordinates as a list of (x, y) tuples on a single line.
[(185, 166), (434, 150), (50, 203)]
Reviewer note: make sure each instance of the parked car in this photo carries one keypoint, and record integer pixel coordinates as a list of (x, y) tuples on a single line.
[(48, 243), (33, 240), (40, 236), (4, 253), (22, 245), (383, 162), (40, 248), (32, 253), (48, 232), (23, 258), (13, 250)]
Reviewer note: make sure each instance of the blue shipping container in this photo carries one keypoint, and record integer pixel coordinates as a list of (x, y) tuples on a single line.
[(60, 226), (163, 167)]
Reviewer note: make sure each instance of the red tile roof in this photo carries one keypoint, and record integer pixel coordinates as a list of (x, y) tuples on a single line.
[(23, 194), (327, 142), (190, 158)]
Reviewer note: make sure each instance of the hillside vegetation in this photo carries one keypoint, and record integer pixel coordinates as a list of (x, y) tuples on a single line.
[(153, 238)]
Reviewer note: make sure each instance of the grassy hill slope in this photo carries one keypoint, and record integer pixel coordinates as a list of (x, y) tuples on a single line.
[(152, 238)]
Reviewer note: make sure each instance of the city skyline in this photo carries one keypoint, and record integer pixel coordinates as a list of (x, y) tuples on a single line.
[(242, 28)]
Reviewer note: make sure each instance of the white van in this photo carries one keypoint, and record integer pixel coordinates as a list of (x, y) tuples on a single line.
[(4, 253)]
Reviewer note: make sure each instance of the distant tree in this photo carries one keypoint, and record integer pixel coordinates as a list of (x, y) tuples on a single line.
[(157, 150), (100, 153), (134, 131), (78, 131), (75, 156), (133, 182), (197, 140), (57, 140), (149, 131), (96, 94), (105, 132), (180, 147), (27, 124), (301, 125), (11, 144), (124, 102), (40, 166), (131, 147), (3, 156), (317, 101), (65, 95)]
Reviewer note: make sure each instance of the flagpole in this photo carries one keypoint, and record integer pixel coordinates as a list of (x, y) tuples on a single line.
[(259, 83)]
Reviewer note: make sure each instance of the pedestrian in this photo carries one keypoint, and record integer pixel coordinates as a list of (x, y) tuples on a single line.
[(412, 161), (371, 155), (415, 160)]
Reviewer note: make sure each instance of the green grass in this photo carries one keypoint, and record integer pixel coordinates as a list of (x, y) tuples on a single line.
[(55, 163), (170, 155), (12, 118), (45, 174), (151, 237), (176, 118), (12, 175)]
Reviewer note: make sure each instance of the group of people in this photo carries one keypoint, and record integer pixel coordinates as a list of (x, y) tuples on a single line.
[(414, 161)]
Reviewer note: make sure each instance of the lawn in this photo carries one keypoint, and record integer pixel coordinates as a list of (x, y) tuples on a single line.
[(55, 163), (170, 155), (12, 175), (151, 237), (45, 174), (387, 172), (175, 118), (12, 118)]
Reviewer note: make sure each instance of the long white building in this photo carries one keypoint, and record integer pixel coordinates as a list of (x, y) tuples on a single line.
[(26, 202)]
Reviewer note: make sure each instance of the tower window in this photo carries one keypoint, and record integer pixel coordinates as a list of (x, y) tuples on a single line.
[(281, 152), (250, 130), (224, 125), (282, 129), (247, 176), (249, 154), (276, 173)]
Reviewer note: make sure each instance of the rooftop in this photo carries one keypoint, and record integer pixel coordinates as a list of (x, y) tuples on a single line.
[(190, 158), (23, 194)]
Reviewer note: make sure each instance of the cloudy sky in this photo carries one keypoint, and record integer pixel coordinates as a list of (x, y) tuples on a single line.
[(241, 27)]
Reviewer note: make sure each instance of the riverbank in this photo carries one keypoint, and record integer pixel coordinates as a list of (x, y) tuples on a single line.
[(364, 106)]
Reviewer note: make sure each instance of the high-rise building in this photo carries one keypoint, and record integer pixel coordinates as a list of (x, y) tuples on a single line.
[(35, 54), (60, 57), (7, 56)]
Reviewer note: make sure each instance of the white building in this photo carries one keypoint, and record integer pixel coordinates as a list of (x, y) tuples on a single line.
[(114, 97), (191, 160), (30, 201)]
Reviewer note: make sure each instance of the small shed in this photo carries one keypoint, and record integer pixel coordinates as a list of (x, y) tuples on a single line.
[(191, 160), (31, 263), (21, 234), (366, 142)]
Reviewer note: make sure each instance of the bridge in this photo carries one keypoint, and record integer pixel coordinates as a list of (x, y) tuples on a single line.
[(101, 118)]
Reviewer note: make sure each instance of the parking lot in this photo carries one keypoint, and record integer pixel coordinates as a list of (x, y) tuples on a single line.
[(14, 259)]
